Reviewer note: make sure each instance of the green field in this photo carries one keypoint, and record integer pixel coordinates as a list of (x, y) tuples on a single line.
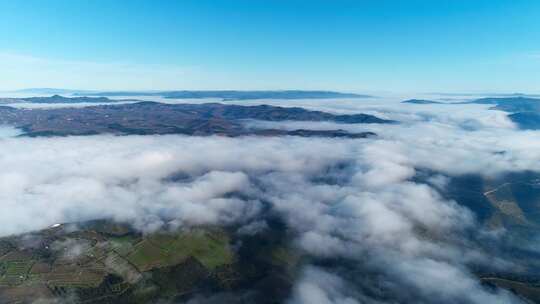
[(74, 276), (161, 250), (123, 245), (15, 272), (135, 266), (14, 268)]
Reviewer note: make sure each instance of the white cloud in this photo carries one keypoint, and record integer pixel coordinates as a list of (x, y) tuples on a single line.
[(320, 287), (350, 200)]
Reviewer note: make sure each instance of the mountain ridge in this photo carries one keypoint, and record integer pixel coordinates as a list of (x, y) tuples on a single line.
[(145, 118)]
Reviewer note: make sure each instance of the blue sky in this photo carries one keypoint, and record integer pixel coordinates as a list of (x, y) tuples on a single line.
[(361, 46)]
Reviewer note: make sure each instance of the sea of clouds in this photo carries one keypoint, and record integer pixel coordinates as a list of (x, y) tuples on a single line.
[(344, 199)]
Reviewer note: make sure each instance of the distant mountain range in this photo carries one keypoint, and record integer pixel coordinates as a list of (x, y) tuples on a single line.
[(512, 104), (421, 101), (158, 118), (486, 94), (51, 91), (199, 94), (61, 99), (236, 95), (525, 111)]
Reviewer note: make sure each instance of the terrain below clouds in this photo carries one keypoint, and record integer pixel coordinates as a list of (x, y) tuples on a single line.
[(438, 208), (145, 118)]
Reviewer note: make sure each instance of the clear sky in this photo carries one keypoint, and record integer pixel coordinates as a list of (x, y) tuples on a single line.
[(360, 46)]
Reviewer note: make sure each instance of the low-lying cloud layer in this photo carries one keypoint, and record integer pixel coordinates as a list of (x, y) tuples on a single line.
[(348, 200)]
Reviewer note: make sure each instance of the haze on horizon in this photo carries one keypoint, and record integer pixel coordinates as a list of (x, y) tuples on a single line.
[(423, 187), (355, 46)]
